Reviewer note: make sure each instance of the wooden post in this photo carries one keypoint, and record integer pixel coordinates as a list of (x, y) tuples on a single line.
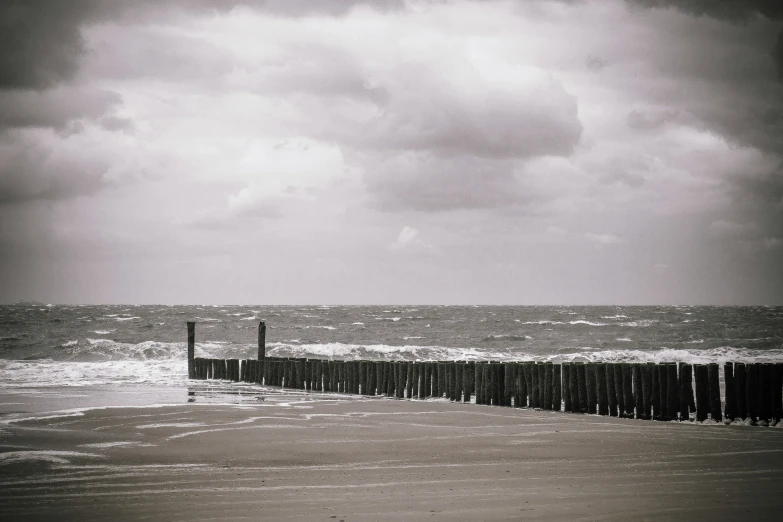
[(499, 397), (686, 390), (602, 389), (740, 385), (458, 372), (493, 385), (262, 347), (618, 389), (702, 392), (408, 376), (638, 392), (191, 349), (557, 395), (534, 385), (300, 374), (509, 387), (628, 389), (478, 379), (766, 375), (581, 382), (401, 376), (486, 371), (548, 376), (527, 374), (441, 378), (731, 391), (777, 392), (573, 384), (467, 379), (655, 395), (610, 389), (672, 390), (566, 368), (752, 391), (427, 379), (713, 372), (592, 389)]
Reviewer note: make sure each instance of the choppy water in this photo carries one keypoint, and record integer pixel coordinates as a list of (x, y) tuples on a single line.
[(44, 345)]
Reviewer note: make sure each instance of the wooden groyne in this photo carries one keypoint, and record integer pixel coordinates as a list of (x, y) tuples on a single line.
[(657, 391)]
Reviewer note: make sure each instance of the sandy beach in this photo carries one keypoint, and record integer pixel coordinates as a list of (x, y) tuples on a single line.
[(312, 457)]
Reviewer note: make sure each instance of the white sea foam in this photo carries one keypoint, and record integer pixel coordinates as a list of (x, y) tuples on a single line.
[(541, 321), (248, 318), (618, 316), (358, 323), (71, 343), (321, 327), (132, 318), (624, 339), (54, 457), (589, 323), (642, 323), (507, 337), (103, 332), (15, 375), (102, 445)]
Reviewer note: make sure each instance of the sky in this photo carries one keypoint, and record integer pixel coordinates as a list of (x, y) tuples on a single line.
[(395, 152)]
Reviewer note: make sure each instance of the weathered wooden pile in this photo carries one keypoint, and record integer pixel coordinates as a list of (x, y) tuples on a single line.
[(659, 391)]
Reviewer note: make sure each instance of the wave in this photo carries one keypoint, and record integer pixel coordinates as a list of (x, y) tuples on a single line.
[(507, 337), (641, 323), (46, 373), (719, 355), (126, 318), (382, 352)]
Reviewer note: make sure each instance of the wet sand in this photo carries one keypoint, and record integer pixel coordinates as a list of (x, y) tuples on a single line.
[(379, 459)]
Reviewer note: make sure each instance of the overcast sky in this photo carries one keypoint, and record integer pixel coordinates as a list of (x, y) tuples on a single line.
[(509, 152)]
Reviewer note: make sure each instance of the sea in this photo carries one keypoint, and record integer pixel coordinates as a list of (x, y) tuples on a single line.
[(60, 357)]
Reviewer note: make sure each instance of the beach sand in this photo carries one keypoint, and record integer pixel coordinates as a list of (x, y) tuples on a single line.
[(308, 458)]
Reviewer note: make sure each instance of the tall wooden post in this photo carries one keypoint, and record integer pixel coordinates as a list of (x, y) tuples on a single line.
[(601, 385), (700, 372), (686, 390), (191, 350), (638, 393), (731, 391), (565, 369), (714, 392), (592, 389), (261, 349)]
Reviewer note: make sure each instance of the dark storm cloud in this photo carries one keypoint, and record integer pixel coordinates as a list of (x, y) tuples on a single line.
[(425, 182), (723, 9), (41, 43), (777, 55), (55, 107), (500, 123), (29, 170)]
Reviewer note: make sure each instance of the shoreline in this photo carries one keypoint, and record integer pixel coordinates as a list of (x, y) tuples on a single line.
[(382, 459)]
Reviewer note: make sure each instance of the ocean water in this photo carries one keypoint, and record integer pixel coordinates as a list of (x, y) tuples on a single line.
[(82, 346)]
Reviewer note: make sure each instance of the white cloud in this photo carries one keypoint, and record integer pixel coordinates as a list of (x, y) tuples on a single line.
[(408, 240), (603, 239)]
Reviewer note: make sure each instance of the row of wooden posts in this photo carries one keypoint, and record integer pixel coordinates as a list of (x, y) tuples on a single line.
[(659, 391)]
